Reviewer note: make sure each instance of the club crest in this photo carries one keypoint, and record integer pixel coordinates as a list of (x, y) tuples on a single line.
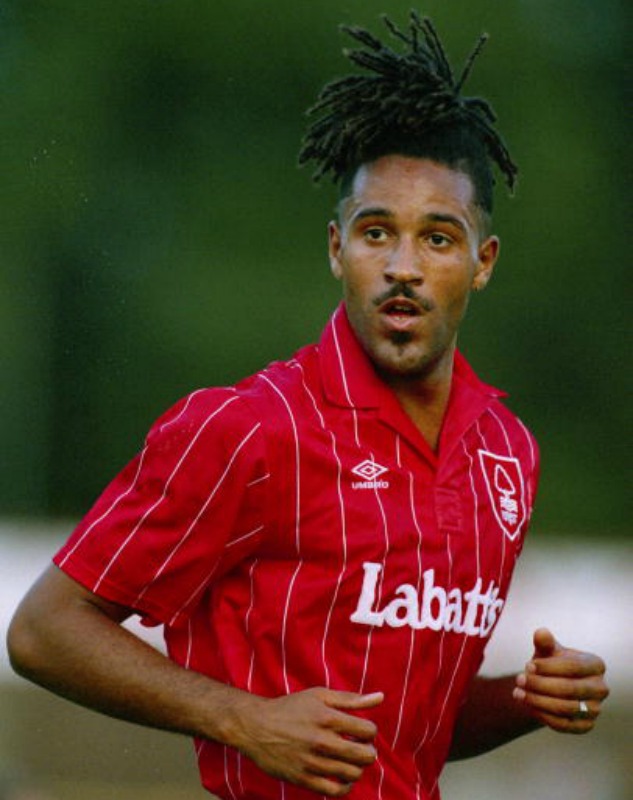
[(504, 482)]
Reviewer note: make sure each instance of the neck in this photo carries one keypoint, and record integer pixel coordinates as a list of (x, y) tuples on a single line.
[(425, 400)]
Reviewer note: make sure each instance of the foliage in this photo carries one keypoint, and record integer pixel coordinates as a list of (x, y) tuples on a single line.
[(157, 235)]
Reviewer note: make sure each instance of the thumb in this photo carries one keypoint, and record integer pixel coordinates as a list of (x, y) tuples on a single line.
[(545, 644), (353, 700)]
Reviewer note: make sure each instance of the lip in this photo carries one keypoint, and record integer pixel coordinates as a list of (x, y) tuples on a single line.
[(400, 313)]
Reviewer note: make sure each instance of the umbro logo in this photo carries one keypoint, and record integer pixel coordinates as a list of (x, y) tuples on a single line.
[(369, 471)]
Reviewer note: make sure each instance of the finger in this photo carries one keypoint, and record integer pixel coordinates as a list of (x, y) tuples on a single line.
[(348, 750), (570, 663), (334, 768), (545, 645), (352, 700), (566, 724), (349, 724), (569, 708), (575, 688), (324, 786), (354, 728)]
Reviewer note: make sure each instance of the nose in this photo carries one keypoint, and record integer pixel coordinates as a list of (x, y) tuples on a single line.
[(404, 264)]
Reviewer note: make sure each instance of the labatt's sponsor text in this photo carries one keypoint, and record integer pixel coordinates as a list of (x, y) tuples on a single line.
[(472, 612)]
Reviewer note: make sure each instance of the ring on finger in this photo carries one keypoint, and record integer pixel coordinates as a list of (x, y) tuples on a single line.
[(583, 710)]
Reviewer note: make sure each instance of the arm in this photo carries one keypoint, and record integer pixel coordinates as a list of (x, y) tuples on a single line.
[(547, 693), (70, 641)]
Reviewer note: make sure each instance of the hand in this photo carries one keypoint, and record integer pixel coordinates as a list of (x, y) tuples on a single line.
[(558, 683), (309, 739)]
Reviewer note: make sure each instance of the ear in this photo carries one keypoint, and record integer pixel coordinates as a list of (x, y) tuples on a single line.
[(334, 248), (486, 259)]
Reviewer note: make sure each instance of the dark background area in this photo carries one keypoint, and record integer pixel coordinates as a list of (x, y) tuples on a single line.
[(157, 235)]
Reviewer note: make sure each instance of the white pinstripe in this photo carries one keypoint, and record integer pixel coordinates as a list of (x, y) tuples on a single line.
[(503, 430), (247, 620), (418, 589), (258, 480), (183, 410), (381, 780), (475, 503), (385, 528), (532, 457), (297, 527), (227, 780), (198, 590), (189, 644), (345, 385), (243, 538), (339, 491), (379, 587)]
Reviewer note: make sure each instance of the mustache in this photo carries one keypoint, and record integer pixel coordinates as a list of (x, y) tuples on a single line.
[(404, 290)]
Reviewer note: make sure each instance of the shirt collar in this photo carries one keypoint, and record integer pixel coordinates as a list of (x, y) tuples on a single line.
[(350, 380)]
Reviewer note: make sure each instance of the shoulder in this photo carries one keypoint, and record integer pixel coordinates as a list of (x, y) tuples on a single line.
[(209, 423), (281, 391), (514, 433), (196, 411), (266, 401)]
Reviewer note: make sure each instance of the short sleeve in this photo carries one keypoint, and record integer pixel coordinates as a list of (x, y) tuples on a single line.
[(167, 524)]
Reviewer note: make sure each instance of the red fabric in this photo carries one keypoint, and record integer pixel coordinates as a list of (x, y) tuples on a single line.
[(296, 530)]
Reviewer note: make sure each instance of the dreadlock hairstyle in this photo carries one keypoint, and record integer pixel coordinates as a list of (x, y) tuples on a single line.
[(409, 104)]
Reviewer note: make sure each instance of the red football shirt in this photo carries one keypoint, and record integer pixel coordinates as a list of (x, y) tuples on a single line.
[(296, 530)]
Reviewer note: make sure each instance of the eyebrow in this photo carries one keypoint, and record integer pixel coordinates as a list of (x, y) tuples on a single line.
[(375, 211), (448, 218), (378, 211)]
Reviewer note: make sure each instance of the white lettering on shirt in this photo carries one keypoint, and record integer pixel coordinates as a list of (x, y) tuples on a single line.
[(473, 612)]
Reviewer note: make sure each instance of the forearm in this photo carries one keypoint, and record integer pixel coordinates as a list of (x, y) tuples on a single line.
[(70, 641), (490, 718), (76, 650)]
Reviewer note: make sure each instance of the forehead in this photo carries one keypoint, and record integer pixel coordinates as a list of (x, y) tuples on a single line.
[(407, 185)]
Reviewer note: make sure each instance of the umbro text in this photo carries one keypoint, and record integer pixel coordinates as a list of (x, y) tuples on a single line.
[(370, 484)]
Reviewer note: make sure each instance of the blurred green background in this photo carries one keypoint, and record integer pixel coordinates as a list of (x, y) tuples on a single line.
[(157, 235)]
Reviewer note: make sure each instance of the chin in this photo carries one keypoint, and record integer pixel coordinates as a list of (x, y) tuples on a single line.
[(404, 365)]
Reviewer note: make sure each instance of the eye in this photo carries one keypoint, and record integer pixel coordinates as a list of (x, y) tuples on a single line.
[(439, 239), (375, 234)]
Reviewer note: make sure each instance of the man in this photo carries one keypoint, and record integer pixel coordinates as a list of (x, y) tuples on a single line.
[(329, 544)]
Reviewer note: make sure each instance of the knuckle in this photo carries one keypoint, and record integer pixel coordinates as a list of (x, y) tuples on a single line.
[(349, 773), (323, 744), (367, 757)]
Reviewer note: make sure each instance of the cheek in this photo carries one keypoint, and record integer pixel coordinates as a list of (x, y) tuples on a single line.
[(453, 298), (357, 283)]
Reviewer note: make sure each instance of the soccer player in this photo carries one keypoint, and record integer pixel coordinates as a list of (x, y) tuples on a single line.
[(329, 543)]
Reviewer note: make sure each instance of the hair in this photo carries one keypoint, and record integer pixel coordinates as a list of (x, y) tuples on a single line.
[(409, 104)]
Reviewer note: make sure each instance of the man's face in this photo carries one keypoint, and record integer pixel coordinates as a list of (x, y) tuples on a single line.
[(409, 250)]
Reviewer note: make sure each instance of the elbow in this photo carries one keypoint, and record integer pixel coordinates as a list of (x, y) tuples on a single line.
[(22, 647)]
